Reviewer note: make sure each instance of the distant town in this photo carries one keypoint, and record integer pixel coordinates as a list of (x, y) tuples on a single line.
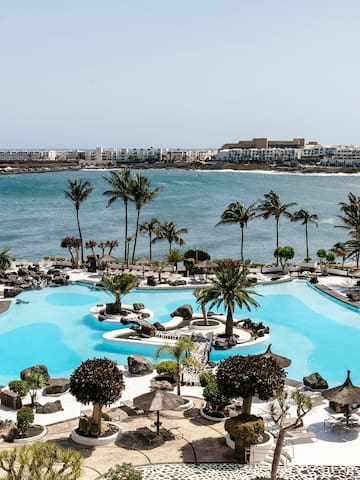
[(256, 153)]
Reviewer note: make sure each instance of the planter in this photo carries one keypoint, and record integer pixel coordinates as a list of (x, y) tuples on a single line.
[(259, 451), (210, 417), (186, 406), (196, 325), (33, 438), (95, 441)]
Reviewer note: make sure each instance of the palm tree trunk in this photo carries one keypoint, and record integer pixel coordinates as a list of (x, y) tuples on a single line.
[(126, 231), (242, 244), (178, 379), (80, 235), (72, 256), (136, 234), (307, 242), (203, 310), (150, 247), (229, 323), (277, 241)]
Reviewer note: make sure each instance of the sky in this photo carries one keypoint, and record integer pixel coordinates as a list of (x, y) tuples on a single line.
[(178, 73)]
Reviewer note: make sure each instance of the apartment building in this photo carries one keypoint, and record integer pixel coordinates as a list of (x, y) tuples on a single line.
[(27, 155)]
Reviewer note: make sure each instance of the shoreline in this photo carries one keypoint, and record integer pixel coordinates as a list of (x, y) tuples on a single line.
[(208, 167)]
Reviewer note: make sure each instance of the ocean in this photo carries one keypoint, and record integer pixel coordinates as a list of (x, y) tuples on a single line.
[(36, 216)]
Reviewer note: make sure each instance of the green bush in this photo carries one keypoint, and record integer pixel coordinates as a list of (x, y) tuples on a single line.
[(215, 399), (125, 471), (24, 418), (169, 367), (20, 387), (206, 378)]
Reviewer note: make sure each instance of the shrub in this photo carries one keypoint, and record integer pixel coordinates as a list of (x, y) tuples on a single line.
[(125, 471), (47, 461), (198, 255), (215, 399), (20, 387), (24, 418), (206, 378), (169, 367)]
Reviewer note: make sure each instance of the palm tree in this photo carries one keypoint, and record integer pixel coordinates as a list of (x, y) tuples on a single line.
[(5, 260), (271, 206), (200, 296), (237, 213), (174, 257), (305, 218), (150, 227), (73, 245), (121, 183), (178, 351), (111, 244), (168, 232), (340, 249), (351, 219), (118, 285), (102, 246), (78, 191), (229, 287), (91, 244), (141, 195)]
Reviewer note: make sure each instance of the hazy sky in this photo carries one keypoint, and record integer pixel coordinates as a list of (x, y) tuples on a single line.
[(178, 73)]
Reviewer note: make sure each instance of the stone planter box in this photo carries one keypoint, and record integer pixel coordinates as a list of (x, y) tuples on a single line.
[(21, 441), (209, 417), (215, 324), (259, 451), (95, 441)]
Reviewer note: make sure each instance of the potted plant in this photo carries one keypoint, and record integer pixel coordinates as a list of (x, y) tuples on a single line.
[(100, 382)]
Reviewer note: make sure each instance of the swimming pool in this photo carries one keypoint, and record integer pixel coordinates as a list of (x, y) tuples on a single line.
[(56, 329)]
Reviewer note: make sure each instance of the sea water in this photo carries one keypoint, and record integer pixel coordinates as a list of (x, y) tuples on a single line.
[(36, 216)]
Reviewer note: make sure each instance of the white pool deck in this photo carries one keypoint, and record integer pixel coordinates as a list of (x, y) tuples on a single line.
[(332, 447)]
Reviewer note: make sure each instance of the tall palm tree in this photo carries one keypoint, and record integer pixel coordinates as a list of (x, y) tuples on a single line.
[(229, 287), (305, 218), (141, 195), (118, 285), (78, 191), (237, 213), (178, 351), (351, 219), (150, 227), (200, 296), (5, 260), (168, 232), (121, 184), (111, 244), (271, 206)]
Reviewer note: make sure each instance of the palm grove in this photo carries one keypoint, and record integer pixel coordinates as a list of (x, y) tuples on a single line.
[(135, 191)]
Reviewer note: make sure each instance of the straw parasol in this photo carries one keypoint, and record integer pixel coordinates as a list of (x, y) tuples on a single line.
[(346, 394), (107, 258), (143, 261), (206, 264), (283, 362), (156, 401)]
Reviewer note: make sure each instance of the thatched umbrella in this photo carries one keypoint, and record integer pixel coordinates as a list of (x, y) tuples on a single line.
[(346, 394), (107, 258), (156, 401), (283, 362), (208, 264), (143, 261)]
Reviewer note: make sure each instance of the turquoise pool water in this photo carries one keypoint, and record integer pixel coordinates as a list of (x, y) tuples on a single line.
[(56, 329)]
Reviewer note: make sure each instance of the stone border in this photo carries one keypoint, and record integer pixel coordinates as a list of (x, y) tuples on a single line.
[(96, 441), (208, 417), (21, 441)]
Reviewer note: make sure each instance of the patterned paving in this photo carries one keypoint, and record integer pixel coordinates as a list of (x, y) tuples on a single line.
[(228, 471)]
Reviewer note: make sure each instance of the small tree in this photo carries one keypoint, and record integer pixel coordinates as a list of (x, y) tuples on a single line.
[(278, 410), (45, 461), (215, 399), (250, 376), (178, 351), (174, 257), (100, 382), (24, 418), (5, 260), (284, 254), (34, 381), (325, 258), (19, 386)]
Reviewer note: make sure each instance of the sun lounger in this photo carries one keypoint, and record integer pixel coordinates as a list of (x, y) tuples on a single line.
[(148, 435), (300, 436)]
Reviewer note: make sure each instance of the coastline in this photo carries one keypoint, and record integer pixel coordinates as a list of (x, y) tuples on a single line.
[(18, 169)]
